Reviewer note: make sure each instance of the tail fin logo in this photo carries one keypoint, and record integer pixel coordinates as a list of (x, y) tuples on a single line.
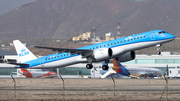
[(23, 50), (23, 53)]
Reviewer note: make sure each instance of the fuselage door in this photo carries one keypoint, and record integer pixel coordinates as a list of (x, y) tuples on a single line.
[(152, 35), (41, 62)]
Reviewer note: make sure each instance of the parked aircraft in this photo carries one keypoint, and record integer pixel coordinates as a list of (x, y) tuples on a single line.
[(119, 70), (37, 73), (122, 49)]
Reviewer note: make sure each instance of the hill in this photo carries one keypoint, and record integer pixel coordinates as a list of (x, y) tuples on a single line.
[(64, 19), (8, 5)]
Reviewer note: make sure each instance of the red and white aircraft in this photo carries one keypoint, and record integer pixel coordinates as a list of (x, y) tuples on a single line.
[(36, 73)]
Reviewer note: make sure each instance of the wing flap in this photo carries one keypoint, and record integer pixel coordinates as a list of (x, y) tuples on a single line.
[(20, 64)]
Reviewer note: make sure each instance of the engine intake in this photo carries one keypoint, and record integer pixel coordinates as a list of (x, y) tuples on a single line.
[(102, 54)]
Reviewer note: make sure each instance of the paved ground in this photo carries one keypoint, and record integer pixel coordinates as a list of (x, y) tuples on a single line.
[(88, 89)]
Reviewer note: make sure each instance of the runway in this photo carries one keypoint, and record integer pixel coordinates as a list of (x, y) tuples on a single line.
[(88, 89)]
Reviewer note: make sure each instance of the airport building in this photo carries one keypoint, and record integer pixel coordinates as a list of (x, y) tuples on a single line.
[(162, 62)]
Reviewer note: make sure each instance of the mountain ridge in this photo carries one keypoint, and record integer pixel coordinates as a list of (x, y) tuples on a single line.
[(64, 19)]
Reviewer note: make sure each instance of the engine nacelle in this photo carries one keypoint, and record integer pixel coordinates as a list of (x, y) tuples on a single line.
[(103, 54), (127, 56)]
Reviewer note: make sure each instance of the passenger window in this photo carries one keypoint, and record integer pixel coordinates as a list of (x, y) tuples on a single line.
[(134, 38), (124, 40), (114, 43), (104, 45), (111, 44), (58, 56), (118, 42), (121, 41), (137, 37)]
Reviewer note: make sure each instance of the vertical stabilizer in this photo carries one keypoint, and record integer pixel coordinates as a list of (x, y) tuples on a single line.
[(23, 53), (117, 66), (120, 69)]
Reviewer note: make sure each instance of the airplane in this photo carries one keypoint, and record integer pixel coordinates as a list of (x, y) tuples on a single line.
[(117, 69), (37, 73), (120, 70), (122, 49)]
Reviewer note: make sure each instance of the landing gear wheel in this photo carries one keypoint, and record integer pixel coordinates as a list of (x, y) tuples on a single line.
[(158, 53), (158, 49), (105, 67), (89, 66)]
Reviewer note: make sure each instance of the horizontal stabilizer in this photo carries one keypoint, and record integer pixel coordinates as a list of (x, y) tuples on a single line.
[(20, 64), (12, 65), (108, 73), (5, 65)]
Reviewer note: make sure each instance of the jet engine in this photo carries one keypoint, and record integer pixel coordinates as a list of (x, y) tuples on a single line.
[(102, 54), (127, 56)]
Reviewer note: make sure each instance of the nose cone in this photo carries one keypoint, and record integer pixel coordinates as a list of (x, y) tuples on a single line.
[(170, 36)]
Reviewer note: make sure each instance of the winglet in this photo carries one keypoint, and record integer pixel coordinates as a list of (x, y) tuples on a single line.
[(23, 53)]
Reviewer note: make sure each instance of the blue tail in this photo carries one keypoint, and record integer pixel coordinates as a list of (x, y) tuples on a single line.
[(119, 68)]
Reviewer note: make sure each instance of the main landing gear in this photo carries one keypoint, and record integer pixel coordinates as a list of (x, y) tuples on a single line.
[(158, 49), (89, 66), (104, 64), (105, 67), (90, 60)]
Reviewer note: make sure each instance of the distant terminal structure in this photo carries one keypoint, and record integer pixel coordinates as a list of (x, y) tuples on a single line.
[(85, 36), (109, 36), (88, 36)]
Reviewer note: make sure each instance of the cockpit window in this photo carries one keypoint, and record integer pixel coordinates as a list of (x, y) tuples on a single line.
[(162, 32)]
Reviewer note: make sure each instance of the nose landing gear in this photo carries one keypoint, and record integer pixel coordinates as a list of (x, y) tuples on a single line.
[(158, 49), (105, 65)]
